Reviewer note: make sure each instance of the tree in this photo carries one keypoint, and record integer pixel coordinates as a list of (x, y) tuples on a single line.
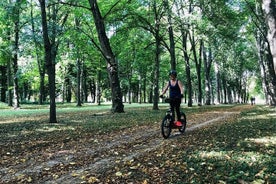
[(51, 49), (265, 43), (269, 7), (138, 41), (112, 66), (16, 21), (184, 27), (6, 52), (157, 37), (12, 34), (207, 69), (171, 48), (50, 56), (38, 54)]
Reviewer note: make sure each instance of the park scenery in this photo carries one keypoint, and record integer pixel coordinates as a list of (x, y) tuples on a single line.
[(221, 144), (85, 86)]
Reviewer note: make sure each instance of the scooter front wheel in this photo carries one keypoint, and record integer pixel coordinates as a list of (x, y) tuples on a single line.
[(166, 127)]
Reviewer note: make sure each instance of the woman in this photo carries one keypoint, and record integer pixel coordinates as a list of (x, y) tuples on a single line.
[(176, 93)]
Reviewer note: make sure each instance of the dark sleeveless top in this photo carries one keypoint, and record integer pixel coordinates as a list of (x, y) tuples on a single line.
[(174, 90)]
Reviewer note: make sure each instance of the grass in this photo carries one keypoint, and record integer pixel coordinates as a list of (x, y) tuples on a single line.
[(239, 150), (73, 122)]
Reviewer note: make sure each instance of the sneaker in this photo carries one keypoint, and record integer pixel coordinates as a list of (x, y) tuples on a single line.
[(178, 123)]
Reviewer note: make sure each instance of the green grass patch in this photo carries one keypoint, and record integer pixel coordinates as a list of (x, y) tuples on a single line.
[(239, 150), (74, 122), (235, 151)]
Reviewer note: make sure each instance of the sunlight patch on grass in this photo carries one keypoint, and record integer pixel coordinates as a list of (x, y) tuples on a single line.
[(11, 135), (54, 128), (247, 157), (236, 158), (78, 121), (10, 121), (261, 113), (218, 155), (267, 141), (251, 114), (251, 158), (272, 115), (255, 117), (4, 106)]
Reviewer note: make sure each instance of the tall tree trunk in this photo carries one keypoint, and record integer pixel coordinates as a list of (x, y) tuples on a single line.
[(68, 84), (171, 35), (112, 66), (3, 83), (271, 79), (218, 82), (40, 62), (78, 82), (42, 92), (129, 87), (224, 88), (156, 73), (85, 83), (261, 54), (265, 42), (144, 88), (189, 82), (157, 58), (129, 78), (269, 7), (140, 88), (239, 89), (187, 67), (198, 65), (15, 54), (50, 53), (68, 89), (207, 68), (79, 69), (92, 88), (9, 73), (9, 82), (184, 37), (99, 91)]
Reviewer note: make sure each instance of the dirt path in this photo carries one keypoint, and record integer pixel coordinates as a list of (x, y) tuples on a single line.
[(95, 156)]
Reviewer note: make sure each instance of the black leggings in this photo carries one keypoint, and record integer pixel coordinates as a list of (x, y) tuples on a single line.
[(175, 106)]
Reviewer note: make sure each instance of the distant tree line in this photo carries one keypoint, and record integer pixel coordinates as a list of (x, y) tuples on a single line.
[(121, 51)]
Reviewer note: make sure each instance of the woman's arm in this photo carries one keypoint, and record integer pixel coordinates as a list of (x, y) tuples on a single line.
[(165, 89), (181, 87)]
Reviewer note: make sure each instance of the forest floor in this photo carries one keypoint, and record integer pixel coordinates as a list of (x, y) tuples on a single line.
[(62, 153)]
